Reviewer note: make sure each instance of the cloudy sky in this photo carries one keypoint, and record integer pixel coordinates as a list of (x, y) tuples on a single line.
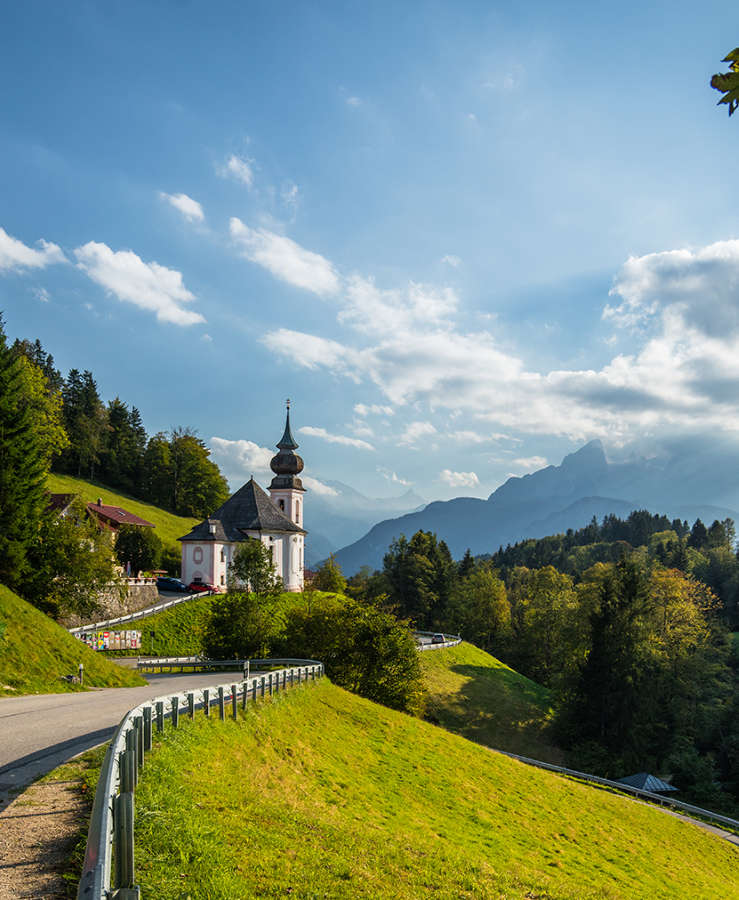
[(463, 238)]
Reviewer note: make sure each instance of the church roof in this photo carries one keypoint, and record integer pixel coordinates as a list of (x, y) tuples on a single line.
[(249, 509)]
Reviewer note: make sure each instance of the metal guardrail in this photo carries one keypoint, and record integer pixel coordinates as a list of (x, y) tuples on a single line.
[(108, 871), (627, 788), (139, 614), (451, 640)]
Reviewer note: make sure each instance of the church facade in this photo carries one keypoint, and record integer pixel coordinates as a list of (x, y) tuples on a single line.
[(275, 519)]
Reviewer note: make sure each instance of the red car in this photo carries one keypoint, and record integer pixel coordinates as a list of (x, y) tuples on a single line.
[(198, 586)]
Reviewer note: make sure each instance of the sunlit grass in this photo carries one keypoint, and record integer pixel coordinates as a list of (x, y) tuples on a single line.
[(36, 652), (320, 793), (481, 698)]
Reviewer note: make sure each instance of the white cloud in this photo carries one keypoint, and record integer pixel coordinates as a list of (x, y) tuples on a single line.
[(683, 372), (353, 101), (459, 479), (207, 338), (389, 475), (530, 463), (471, 437), (324, 435), (286, 259), (451, 260), (238, 168), (289, 194), (239, 459), (312, 351), (189, 208), (41, 294), (147, 285), (318, 487), (415, 431), (15, 255), (374, 409)]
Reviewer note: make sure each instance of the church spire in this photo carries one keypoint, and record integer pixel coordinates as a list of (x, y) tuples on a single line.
[(286, 465), (287, 441)]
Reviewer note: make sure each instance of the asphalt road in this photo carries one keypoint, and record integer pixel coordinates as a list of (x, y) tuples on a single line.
[(39, 732)]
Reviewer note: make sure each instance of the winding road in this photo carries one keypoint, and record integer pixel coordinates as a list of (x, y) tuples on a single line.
[(40, 731)]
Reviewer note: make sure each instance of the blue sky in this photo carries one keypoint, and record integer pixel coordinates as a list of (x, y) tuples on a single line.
[(463, 238)]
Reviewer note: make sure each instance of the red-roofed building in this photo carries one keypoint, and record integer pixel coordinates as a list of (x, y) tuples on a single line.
[(108, 518)]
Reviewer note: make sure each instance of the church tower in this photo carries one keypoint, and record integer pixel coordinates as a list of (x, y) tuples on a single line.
[(286, 492)]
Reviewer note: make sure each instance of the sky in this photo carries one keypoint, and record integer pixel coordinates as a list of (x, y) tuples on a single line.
[(463, 238)]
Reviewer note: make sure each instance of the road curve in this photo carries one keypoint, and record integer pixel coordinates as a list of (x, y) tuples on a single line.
[(40, 731)]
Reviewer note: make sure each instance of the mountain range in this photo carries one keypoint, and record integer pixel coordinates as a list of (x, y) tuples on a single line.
[(685, 485), (342, 515)]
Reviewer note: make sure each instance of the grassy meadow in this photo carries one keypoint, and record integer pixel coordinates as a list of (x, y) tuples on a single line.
[(319, 793), (475, 695), (35, 653)]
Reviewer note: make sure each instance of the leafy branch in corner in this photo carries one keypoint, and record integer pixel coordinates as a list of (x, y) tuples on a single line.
[(728, 82)]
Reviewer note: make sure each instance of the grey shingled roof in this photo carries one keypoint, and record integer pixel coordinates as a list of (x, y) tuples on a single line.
[(646, 782), (249, 509)]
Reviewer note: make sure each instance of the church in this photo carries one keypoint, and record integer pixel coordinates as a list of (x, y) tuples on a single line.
[(250, 514)]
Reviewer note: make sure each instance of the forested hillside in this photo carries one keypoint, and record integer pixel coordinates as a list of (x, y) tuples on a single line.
[(632, 639)]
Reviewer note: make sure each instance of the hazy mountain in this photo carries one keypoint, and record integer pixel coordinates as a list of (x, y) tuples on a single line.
[(566, 496), (336, 519)]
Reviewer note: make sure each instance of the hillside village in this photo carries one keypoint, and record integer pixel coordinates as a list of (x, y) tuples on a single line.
[(460, 620)]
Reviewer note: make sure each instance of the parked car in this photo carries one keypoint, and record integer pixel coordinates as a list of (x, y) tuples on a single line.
[(197, 586), (438, 639), (165, 583)]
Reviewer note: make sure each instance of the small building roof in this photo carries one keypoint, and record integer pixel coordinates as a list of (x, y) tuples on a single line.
[(112, 516), (249, 509), (646, 782), (117, 516)]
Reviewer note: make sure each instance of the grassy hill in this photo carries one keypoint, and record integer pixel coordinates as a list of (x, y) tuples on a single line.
[(481, 698), (177, 631), (320, 793), (168, 526), (35, 653)]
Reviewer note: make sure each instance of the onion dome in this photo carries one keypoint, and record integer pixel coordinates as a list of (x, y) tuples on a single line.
[(287, 465)]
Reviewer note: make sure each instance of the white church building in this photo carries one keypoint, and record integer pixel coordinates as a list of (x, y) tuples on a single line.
[(250, 514)]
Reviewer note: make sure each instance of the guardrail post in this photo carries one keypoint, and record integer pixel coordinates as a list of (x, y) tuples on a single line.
[(284, 679), (127, 770), (254, 690), (147, 728), (206, 701), (270, 684), (123, 844), (221, 708), (138, 727), (262, 683), (191, 705), (132, 756), (243, 699), (234, 700), (175, 711), (160, 715)]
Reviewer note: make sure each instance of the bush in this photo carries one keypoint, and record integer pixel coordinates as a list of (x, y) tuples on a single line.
[(364, 649), (138, 547)]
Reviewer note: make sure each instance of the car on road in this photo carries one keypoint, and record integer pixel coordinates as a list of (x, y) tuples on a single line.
[(198, 586), (438, 639), (165, 583)]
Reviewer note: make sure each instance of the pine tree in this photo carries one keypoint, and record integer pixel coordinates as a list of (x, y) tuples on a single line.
[(22, 470)]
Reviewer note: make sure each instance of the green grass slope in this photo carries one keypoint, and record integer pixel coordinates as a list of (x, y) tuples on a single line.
[(169, 527), (178, 631), (35, 653), (320, 793), (481, 698)]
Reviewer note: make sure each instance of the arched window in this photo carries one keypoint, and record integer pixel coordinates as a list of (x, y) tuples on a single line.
[(197, 555), (297, 511), (282, 505)]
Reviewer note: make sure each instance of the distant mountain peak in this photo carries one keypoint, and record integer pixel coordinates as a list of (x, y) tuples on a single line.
[(591, 454)]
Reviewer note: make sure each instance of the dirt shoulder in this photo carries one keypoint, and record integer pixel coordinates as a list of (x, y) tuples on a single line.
[(42, 832)]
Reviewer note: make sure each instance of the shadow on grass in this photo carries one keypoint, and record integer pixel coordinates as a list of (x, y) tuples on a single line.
[(499, 708)]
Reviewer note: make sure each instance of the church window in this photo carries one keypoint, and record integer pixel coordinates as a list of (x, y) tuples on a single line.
[(223, 579), (297, 510), (223, 557), (282, 505), (197, 555)]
